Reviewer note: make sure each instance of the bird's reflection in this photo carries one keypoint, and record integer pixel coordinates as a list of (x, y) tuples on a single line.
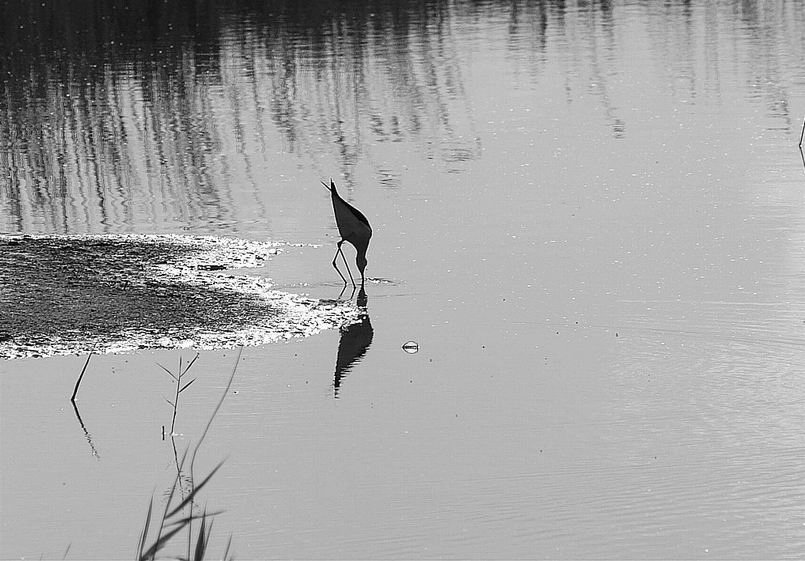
[(355, 340)]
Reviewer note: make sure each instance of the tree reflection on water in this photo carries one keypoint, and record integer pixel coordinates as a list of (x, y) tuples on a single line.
[(118, 114), (115, 110)]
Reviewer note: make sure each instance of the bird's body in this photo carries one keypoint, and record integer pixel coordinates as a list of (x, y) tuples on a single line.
[(353, 228)]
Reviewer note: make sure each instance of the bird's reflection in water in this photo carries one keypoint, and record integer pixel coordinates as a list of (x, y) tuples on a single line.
[(355, 340)]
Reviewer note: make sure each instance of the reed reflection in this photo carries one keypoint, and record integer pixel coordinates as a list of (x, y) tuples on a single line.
[(354, 342), (125, 116), (801, 138), (163, 116), (87, 435)]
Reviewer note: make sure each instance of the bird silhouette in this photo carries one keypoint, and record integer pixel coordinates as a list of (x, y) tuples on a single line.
[(353, 344), (353, 228)]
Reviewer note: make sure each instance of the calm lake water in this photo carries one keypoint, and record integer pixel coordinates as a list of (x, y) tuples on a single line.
[(589, 215)]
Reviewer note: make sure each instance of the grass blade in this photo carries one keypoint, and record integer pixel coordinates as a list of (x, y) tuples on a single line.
[(201, 542), (144, 533), (190, 518), (171, 374), (215, 411), (195, 491), (160, 543), (189, 364), (170, 499), (187, 384), (226, 549)]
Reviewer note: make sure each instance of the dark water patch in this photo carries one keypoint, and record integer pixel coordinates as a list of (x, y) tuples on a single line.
[(74, 294)]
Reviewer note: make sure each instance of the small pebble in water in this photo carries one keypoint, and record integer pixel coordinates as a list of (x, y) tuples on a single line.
[(411, 347)]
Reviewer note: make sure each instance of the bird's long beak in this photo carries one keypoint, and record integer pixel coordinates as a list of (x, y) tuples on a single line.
[(325, 185)]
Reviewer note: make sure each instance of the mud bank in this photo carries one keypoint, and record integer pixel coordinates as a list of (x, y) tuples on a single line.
[(117, 293)]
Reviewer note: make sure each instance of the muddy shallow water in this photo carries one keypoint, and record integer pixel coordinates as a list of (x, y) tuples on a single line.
[(589, 217)]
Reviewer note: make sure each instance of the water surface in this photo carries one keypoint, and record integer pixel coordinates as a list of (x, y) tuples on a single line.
[(589, 216)]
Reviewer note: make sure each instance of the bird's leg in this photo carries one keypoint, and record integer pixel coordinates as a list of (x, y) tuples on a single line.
[(346, 265), (335, 258)]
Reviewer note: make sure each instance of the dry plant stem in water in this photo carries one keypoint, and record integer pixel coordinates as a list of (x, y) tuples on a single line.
[(172, 520), (80, 377), (180, 387), (802, 133)]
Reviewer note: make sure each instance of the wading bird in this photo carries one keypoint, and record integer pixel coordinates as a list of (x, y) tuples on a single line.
[(354, 228)]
